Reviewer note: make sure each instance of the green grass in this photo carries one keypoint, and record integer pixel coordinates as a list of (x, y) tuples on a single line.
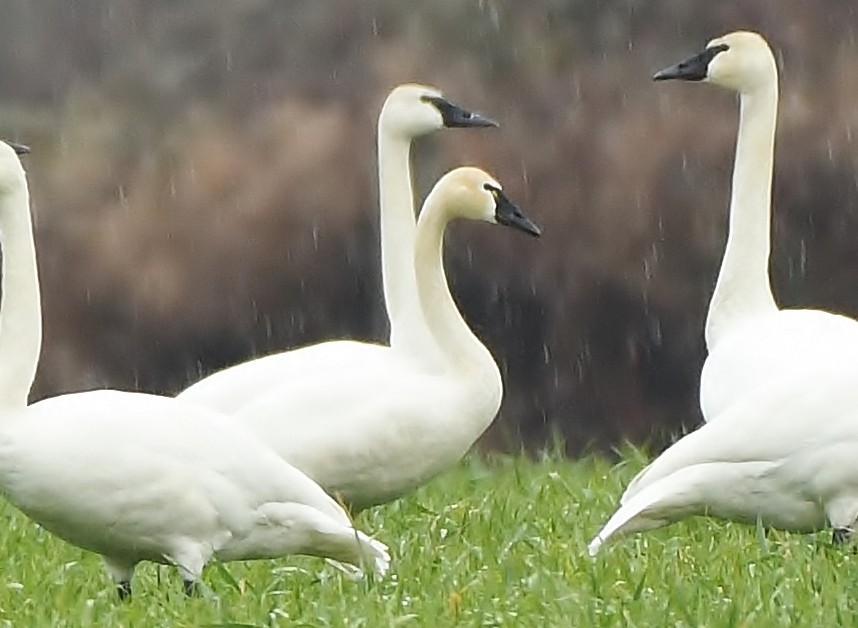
[(497, 542)]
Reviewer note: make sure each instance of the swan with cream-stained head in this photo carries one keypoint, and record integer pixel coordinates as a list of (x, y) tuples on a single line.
[(472, 194), (750, 340), (137, 477), (394, 420)]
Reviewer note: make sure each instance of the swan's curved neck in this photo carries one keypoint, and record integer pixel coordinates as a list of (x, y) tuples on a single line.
[(743, 287), (460, 348), (20, 311), (398, 225)]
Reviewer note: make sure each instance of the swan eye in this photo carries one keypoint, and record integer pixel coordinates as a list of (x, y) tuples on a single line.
[(436, 101), (491, 188), (714, 51)]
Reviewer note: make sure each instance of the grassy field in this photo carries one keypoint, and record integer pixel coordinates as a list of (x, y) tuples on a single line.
[(498, 542)]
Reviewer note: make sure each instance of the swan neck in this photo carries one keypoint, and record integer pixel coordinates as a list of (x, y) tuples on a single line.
[(460, 348), (743, 287), (398, 226), (20, 309)]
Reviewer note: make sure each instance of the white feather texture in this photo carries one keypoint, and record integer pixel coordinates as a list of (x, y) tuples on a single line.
[(139, 477), (784, 455)]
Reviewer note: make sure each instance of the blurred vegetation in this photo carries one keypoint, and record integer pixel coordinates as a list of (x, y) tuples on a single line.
[(203, 177)]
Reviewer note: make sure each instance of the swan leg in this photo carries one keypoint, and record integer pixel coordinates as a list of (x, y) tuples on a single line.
[(192, 588), (841, 535), (842, 513), (190, 561), (120, 572), (123, 590)]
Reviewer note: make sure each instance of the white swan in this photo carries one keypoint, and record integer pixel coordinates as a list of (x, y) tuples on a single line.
[(750, 340), (785, 455), (410, 111), (392, 422), (139, 477)]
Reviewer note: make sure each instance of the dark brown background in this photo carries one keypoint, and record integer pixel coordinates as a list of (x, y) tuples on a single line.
[(203, 176)]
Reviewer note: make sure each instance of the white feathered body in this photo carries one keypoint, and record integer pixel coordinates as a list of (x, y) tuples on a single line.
[(231, 389), (312, 406), (386, 427), (368, 422), (179, 482), (760, 349), (785, 456)]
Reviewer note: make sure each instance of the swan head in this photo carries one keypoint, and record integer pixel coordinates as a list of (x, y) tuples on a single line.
[(473, 194), (740, 61), (11, 171), (413, 110)]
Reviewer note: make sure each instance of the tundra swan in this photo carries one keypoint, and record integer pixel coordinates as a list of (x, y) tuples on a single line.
[(396, 420), (410, 111), (749, 339), (138, 477), (785, 455)]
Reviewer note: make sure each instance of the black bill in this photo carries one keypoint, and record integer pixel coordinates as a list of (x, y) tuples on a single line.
[(455, 116), (694, 68), (508, 214)]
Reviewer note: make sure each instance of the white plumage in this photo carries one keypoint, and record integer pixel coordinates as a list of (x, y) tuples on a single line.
[(374, 430), (410, 111), (750, 340), (784, 455), (139, 477)]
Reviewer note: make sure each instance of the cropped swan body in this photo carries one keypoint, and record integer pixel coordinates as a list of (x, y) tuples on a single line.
[(409, 112), (395, 421), (784, 455), (138, 477), (749, 339)]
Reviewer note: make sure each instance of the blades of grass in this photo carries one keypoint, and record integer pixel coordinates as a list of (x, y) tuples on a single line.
[(640, 585), (227, 577), (762, 541)]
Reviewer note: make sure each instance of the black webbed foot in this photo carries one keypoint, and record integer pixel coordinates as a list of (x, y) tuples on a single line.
[(841, 535), (124, 589), (192, 588)]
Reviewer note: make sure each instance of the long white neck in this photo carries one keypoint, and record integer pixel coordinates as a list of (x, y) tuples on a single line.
[(20, 311), (743, 287), (398, 227), (461, 350)]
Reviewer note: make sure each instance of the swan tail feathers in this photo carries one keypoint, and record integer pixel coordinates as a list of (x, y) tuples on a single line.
[(653, 506)]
